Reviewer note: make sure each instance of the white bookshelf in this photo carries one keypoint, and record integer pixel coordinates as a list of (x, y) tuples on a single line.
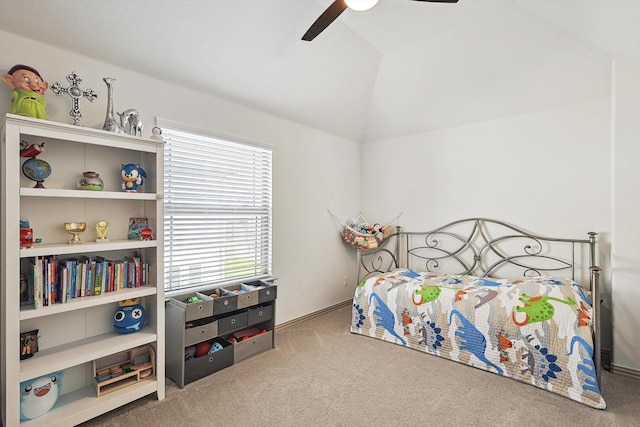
[(75, 333)]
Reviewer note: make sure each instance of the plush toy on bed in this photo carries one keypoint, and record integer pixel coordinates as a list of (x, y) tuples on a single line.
[(39, 395)]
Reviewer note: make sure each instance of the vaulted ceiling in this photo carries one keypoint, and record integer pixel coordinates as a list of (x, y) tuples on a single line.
[(400, 68)]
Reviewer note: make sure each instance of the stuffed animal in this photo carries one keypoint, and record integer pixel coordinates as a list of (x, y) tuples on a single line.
[(39, 395), (377, 232), (216, 346)]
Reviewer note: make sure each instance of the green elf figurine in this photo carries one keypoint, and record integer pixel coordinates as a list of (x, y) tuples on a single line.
[(27, 98)]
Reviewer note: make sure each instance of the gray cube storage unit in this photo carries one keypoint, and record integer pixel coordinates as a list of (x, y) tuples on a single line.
[(236, 308)]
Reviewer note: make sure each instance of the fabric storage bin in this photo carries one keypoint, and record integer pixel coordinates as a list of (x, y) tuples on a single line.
[(195, 310), (259, 313), (266, 291), (247, 295), (224, 301), (207, 364), (252, 346), (232, 322), (201, 331)]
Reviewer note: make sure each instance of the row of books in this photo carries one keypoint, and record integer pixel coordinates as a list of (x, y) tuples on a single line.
[(57, 281)]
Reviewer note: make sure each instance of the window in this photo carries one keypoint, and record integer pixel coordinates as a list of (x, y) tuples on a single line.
[(217, 195)]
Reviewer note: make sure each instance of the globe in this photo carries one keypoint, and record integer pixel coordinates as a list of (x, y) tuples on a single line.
[(36, 170)]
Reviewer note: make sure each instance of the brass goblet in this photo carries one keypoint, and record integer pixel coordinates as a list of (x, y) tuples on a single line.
[(75, 229)]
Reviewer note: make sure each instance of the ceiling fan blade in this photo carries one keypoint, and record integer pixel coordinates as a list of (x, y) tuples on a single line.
[(327, 17)]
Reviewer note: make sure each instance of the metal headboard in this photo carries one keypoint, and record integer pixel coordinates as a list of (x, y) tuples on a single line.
[(490, 248), (487, 247)]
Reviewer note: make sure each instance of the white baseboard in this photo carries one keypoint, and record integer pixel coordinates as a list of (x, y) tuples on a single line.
[(628, 372), (315, 314)]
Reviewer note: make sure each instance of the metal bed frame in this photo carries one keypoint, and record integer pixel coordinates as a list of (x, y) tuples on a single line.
[(490, 248)]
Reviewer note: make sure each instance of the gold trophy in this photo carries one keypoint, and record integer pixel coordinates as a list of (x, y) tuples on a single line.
[(75, 228), (101, 229)]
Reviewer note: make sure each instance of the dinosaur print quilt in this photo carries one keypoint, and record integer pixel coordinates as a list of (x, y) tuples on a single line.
[(536, 330)]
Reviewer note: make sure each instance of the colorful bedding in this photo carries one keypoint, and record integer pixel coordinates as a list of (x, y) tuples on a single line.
[(535, 330)]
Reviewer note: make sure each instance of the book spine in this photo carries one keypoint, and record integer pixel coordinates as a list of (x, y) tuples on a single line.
[(88, 282), (45, 282), (111, 275), (37, 284)]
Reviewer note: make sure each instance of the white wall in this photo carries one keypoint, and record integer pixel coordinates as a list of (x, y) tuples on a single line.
[(542, 170), (626, 215), (548, 172), (313, 171)]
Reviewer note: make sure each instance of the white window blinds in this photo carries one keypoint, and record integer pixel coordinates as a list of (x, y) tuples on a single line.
[(217, 209)]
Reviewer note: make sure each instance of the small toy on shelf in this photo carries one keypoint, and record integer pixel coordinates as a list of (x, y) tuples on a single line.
[(39, 395), (28, 344), (146, 234), (129, 318), (26, 234), (30, 150), (132, 177), (27, 98)]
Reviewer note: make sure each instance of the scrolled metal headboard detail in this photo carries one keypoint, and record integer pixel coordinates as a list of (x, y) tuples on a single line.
[(380, 260), (487, 247)]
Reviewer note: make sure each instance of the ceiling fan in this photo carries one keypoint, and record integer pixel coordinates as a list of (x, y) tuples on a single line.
[(339, 6)]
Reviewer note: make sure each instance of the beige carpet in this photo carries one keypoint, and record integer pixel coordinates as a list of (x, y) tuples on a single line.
[(320, 374)]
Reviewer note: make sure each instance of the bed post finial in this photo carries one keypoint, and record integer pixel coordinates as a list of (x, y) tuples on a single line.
[(592, 248)]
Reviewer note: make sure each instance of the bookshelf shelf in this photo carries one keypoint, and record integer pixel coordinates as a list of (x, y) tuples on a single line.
[(44, 249), (87, 302), (82, 351), (83, 404), (83, 194), (73, 334)]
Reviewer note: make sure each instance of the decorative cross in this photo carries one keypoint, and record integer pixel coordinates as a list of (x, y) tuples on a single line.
[(75, 93)]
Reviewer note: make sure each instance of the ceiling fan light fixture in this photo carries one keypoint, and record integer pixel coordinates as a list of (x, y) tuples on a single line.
[(360, 5)]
